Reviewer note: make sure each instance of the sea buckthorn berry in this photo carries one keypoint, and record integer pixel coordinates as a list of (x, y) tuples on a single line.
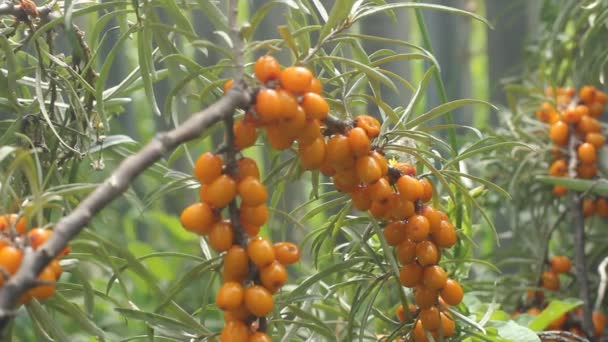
[(586, 171), (417, 228), (268, 105), (560, 190), (273, 276), (427, 190), (310, 132), (359, 142), (228, 85), (312, 155), (234, 331), (433, 217), (278, 137), (326, 169), (418, 333), (338, 151), (409, 188), (236, 264), (380, 209), (560, 264), (345, 181), (588, 207), (587, 94), (406, 169), (296, 79), (203, 193), (360, 198), (434, 277), (550, 280), (400, 313), (559, 133), (259, 337), (9, 220), (400, 208), (221, 236), (43, 292), (572, 115), (294, 124), (394, 233), (368, 170), (448, 326), (258, 300), (601, 207), (559, 168), (245, 134), (38, 236), (411, 274), (599, 322), (315, 86), (208, 167), (247, 167), (430, 318), (381, 190), (589, 125), (406, 252), (370, 125), (289, 104), (10, 259), (427, 253), (250, 229), (582, 111), (198, 218), (446, 236), (252, 191), (381, 161), (286, 253), (452, 292), (601, 97), (266, 68), (315, 106), (256, 216), (239, 314), (587, 153), (222, 191), (261, 251), (230, 296), (595, 139), (425, 297), (596, 109)]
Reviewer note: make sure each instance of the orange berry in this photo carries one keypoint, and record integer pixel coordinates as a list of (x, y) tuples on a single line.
[(550, 281), (245, 134), (286, 253), (582, 111), (381, 190), (559, 133), (573, 115), (230, 296), (228, 85), (255, 216), (234, 331), (411, 274), (261, 251), (400, 313), (273, 276), (425, 297), (221, 236), (448, 326), (417, 228), (560, 190), (55, 266), (259, 337), (258, 300), (294, 124), (586, 171), (198, 218), (9, 220), (433, 217), (43, 292), (278, 138), (296, 79), (252, 192), (368, 169), (315, 86), (409, 188), (452, 292), (10, 259), (601, 207), (381, 161), (236, 264), (601, 97), (596, 109), (446, 236), (310, 132), (395, 233), (289, 104), (589, 125), (559, 168), (599, 322), (208, 167), (595, 139), (315, 106), (427, 253), (268, 105), (430, 318), (434, 277), (240, 314), (400, 208), (312, 155), (588, 207), (406, 252), (587, 94), (247, 167), (587, 153), (418, 333), (558, 323), (370, 124), (38, 236), (338, 151), (359, 142), (250, 229), (266, 68), (222, 191), (427, 190), (360, 198), (345, 181), (560, 264)]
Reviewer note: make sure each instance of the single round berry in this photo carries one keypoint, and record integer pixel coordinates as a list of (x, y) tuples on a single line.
[(247, 167), (430, 318), (286, 253), (255, 216), (221, 236), (550, 280), (395, 233), (410, 188), (559, 133), (234, 331), (43, 292), (222, 191), (258, 300), (406, 252), (273, 276), (208, 167), (268, 105), (381, 190), (198, 218), (560, 264), (10, 259), (261, 251), (446, 237), (434, 277), (425, 297), (587, 153), (13, 220), (411, 274), (315, 106), (368, 170), (312, 155), (370, 124), (360, 198), (595, 139), (417, 228), (452, 292), (427, 253), (38, 236), (278, 137), (236, 264), (296, 79), (252, 192), (266, 68), (245, 134), (230, 296), (359, 142)]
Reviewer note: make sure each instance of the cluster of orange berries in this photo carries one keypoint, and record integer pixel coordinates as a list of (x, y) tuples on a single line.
[(13, 239), (574, 115), (597, 206), (252, 270)]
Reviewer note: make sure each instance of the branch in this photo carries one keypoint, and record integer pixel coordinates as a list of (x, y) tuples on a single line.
[(560, 336), (8, 8), (117, 183)]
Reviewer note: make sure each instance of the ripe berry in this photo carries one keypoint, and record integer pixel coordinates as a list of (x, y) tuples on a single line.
[(252, 192), (359, 142), (411, 274), (338, 152), (234, 331), (230, 296), (255, 216), (370, 124), (446, 236), (558, 323), (259, 337), (418, 333), (427, 190), (38, 236), (589, 125), (296, 79), (560, 264), (599, 322), (43, 292), (409, 188), (417, 228), (406, 252), (601, 207), (198, 218), (273, 276), (427, 253), (587, 94), (559, 168), (595, 139), (582, 111), (433, 217), (448, 327), (452, 292), (360, 198), (221, 236), (368, 169), (266, 68), (587, 153), (560, 190), (221, 191), (550, 281), (588, 207), (247, 167), (586, 171), (236, 264), (395, 233), (268, 105), (434, 277), (572, 116), (55, 266), (430, 318), (278, 137), (425, 297), (310, 132), (208, 167), (559, 133), (258, 300), (381, 190), (289, 104), (228, 85), (345, 181), (294, 124), (261, 251), (245, 134), (315, 86), (286, 253), (10, 259), (400, 313), (381, 161), (400, 209), (312, 155), (9, 220), (239, 314), (405, 169), (315, 106)]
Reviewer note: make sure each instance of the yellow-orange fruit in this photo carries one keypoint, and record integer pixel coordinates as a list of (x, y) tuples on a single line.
[(338, 151), (310, 132), (288, 104), (587, 94), (208, 167), (252, 191), (268, 105), (38, 236), (425, 297), (278, 137), (312, 155), (221, 191), (10, 259), (228, 85), (258, 300), (315, 106), (236, 264), (601, 207), (432, 215), (559, 133), (411, 274), (381, 160), (247, 167), (588, 207), (296, 79), (406, 252), (599, 322), (585, 171), (452, 292), (589, 125), (43, 292), (245, 134), (572, 116), (273, 276), (560, 264), (430, 318), (266, 68), (359, 142), (255, 216), (410, 188), (368, 169), (427, 190), (198, 218), (315, 86), (550, 281), (221, 236), (381, 190), (294, 124), (395, 233), (427, 253), (434, 277), (345, 180), (286, 253), (234, 331), (595, 139), (417, 228), (261, 251), (560, 190), (230, 296), (587, 153), (446, 236), (370, 124), (559, 168), (360, 198), (448, 326)]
